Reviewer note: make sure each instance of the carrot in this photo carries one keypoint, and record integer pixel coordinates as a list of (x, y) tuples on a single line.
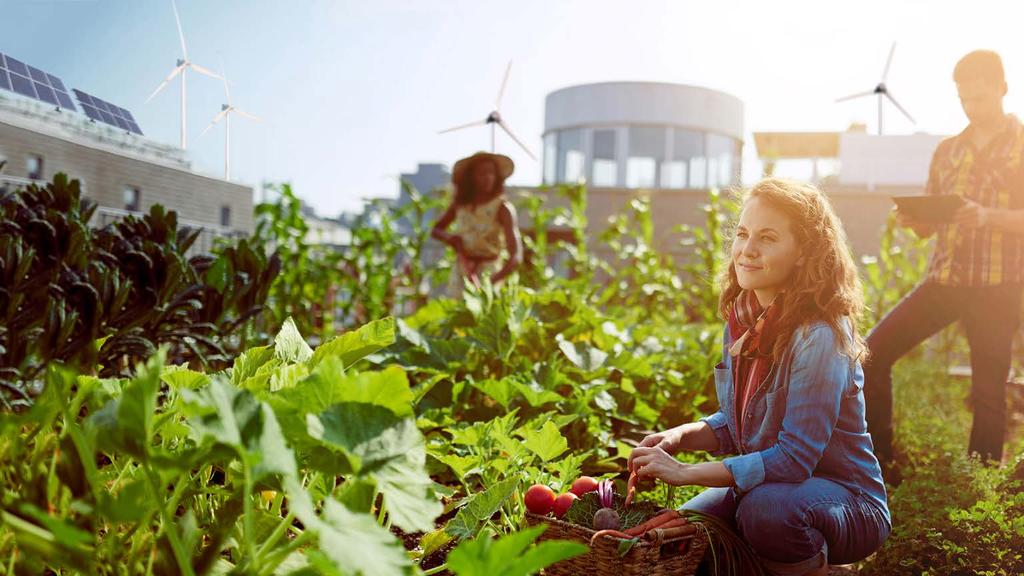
[(630, 488), (659, 535), (658, 520), (615, 533)]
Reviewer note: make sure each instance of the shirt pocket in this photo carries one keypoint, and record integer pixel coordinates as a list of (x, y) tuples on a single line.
[(723, 388), (769, 422)]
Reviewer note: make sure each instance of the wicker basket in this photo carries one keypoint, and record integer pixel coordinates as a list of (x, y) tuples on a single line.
[(643, 559)]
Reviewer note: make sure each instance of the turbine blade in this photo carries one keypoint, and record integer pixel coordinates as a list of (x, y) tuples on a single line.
[(470, 125), (224, 77), (858, 95), (206, 71), (170, 77), (213, 122), (504, 83), (888, 63), (181, 35), (513, 136), (900, 108), (245, 114)]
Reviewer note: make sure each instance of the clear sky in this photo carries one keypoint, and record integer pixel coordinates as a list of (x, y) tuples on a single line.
[(353, 92)]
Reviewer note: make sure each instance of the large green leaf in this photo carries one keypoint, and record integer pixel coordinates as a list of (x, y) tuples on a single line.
[(510, 555), (583, 355), (546, 442), (480, 507), (249, 362), (125, 424), (237, 419), (178, 377), (289, 346), (354, 543), (353, 346), (389, 447)]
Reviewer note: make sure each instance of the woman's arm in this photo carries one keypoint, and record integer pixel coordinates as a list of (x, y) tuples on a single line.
[(513, 243), (440, 233)]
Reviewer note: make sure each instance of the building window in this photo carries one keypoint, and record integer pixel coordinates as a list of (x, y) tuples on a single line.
[(571, 160), (225, 216), (640, 172), (34, 167), (646, 154), (673, 174), (132, 199), (605, 168), (550, 157), (698, 172), (723, 160)]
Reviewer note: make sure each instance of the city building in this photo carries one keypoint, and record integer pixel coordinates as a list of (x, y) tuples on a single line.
[(123, 172)]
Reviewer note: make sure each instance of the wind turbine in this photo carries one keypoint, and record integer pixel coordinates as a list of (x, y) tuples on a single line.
[(494, 118), (181, 68), (225, 114), (882, 91)]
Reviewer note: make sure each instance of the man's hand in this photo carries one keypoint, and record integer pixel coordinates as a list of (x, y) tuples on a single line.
[(972, 215), (920, 229)]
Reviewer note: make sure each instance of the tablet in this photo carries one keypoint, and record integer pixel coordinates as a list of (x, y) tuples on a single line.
[(931, 209)]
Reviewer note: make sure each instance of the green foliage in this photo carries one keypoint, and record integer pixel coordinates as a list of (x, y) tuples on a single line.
[(101, 300)]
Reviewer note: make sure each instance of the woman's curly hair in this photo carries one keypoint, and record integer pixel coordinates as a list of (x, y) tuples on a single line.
[(826, 286)]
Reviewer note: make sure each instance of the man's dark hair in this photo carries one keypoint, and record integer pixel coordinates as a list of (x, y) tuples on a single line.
[(983, 65)]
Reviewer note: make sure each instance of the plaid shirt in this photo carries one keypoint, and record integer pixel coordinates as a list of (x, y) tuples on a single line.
[(994, 178)]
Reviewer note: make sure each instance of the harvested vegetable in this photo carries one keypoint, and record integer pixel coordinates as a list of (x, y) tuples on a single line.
[(563, 502), (539, 499), (631, 488), (655, 522), (584, 484), (607, 519), (614, 533)]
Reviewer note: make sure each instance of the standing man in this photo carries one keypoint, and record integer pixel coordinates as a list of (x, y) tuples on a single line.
[(976, 271)]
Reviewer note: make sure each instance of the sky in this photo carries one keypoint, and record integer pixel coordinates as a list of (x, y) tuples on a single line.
[(353, 93)]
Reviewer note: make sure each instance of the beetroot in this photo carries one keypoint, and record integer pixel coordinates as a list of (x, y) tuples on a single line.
[(606, 519)]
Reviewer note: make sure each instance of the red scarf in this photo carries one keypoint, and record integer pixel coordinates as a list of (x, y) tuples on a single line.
[(753, 332)]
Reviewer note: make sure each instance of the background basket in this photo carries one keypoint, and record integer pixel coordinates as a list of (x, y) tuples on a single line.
[(644, 559)]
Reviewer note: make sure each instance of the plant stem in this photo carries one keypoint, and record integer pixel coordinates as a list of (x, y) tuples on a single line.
[(279, 531), (168, 525), (435, 569)]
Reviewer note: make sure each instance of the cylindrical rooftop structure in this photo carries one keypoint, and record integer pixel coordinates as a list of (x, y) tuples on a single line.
[(642, 135)]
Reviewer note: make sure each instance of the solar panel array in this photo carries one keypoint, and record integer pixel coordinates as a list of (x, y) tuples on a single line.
[(103, 111), (30, 81)]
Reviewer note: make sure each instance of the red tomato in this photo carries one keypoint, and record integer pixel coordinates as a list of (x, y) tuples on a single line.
[(583, 484), (563, 502), (539, 499)]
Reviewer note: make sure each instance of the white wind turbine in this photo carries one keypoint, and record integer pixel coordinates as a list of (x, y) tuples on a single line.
[(883, 92), (226, 110), (495, 118), (181, 68)]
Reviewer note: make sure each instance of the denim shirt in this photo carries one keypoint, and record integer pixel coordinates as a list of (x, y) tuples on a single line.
[(806, 419)]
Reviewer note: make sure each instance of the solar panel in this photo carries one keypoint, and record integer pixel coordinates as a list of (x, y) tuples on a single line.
[(30, 81), (103, 111)]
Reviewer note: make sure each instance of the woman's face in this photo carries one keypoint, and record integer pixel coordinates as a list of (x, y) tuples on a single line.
[(484, 176), (764, 250)]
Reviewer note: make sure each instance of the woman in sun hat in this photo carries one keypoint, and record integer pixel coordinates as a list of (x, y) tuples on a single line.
[(485, 221)]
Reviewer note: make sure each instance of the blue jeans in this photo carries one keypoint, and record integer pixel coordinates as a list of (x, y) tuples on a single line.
[(798, 527)]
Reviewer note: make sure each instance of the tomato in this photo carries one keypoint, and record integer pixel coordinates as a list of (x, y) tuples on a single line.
[(563, 502), (583, 484), (539, 499)]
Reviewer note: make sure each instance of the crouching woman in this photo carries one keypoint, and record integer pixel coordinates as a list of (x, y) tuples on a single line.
[(800, 483)]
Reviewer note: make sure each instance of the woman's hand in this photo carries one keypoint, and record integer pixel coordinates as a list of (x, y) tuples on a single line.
[(655, 463), (667, 441)]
